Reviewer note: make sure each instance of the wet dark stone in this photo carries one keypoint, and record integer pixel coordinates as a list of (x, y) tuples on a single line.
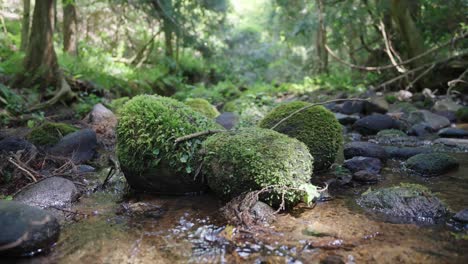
[(79, 146), (356, 164), (50, 192), (404, 203), (421, 130), (228, 120), (404, 153), (364, 149), (371, 125), (26, 230), (461, 216), (352, 107), (364, 176), (377, 104), (431, 164), (452, 132)]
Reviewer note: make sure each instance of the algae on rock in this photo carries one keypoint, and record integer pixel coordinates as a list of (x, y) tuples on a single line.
[(316, 126)]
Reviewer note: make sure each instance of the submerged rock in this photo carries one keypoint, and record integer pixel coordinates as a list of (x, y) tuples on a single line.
[(371, 125), (364, 149), (51, 192), (364, 176), (431, 164), (26, 230), (79, 146), (255, 212), (405, 203), (356, 164)]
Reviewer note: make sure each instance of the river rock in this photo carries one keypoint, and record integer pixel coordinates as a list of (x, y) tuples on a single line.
[(434, 121), (404, 203), (26, 230), (451, 132), (79, 146), (376, 104), (462, 216), (403, 153), (50, 192), (431, 164), (446, 104), (102, 121), (364, 149), (371, 125), (451, 116), (352, 107), (421, 130), (228, 120), (356, 164), (364, 176), (260, 213), (453, 142), (13, 144)]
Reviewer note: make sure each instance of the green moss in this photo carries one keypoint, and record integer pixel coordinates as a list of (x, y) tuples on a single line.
[(391, 99), (431, 164), (50, 133), (147, 129), (462, 114), (202, 106), (316, 126), (254, 158), (117, 104), (391, 133)]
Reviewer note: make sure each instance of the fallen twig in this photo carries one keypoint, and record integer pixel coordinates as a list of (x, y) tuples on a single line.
[(198, 134), (22, 169), (312, 105)]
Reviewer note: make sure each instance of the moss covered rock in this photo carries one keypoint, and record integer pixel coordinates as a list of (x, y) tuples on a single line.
[(50, 133), (254, 158), (404, 203), (116, 104), (203, 106), (148, 156), (316, 126), (462, 114), (431, 164)]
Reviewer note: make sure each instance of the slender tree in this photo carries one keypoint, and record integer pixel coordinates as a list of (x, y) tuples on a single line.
[(40, 64), (321, 39), (25, 24), (70, 27)]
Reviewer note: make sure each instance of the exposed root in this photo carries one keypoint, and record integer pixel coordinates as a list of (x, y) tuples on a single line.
[(63, 94)]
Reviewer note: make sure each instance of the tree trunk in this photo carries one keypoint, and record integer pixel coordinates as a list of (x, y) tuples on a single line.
[(25, 24), (40, 64), (70, 27), (168, 38), (322, 54), (410, 34)]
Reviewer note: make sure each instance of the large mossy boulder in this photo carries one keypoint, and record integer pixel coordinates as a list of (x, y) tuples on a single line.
[(254, 158), (203, 106), (316, 126), (404, 203), (49, 134), (149, 158)]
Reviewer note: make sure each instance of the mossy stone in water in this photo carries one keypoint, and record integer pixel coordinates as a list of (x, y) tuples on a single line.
[(148, 156), (431, 164), (203, 106), (404, 203), (316, 126), (254, 158), (49, 134)]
